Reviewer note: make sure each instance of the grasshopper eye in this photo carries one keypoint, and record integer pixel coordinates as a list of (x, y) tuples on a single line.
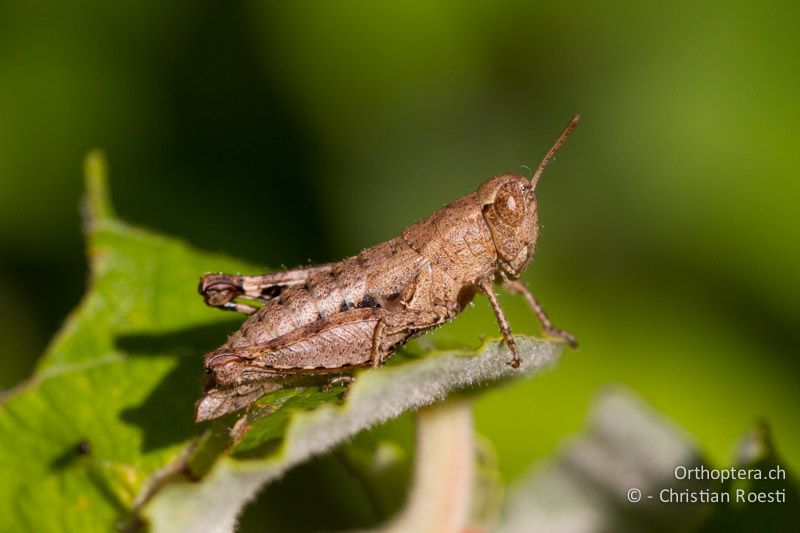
[(510, 204)]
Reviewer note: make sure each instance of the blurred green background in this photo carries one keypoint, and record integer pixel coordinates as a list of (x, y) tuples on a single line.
[(301, 131)]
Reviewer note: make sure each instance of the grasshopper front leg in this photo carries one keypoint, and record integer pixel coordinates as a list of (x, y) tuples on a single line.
[(221, 290), (487, 288)]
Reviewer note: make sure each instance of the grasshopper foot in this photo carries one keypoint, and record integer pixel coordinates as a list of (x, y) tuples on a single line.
[(512, 346), (570, 339)]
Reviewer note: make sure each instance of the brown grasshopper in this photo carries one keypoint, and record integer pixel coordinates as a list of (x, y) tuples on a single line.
[(335, 317)]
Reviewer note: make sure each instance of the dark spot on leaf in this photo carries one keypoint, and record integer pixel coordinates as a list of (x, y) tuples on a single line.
[(70, 455), (84, 447)]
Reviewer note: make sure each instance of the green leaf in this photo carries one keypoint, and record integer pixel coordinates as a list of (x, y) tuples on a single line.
[(628, 447), (585, 487), (104, 427), (121, 376), (767, 498)]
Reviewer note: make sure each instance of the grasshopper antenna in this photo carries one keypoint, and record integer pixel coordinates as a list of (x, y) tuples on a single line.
[(552, 152)]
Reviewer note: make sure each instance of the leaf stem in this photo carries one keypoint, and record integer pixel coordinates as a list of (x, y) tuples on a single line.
[(440, 499)]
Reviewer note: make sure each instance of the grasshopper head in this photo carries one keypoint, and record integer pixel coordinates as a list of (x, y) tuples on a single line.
[(509, 209)]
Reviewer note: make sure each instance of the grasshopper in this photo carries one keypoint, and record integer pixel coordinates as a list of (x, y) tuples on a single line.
[(335, 317)]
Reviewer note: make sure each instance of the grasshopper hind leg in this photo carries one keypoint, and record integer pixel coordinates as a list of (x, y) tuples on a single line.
[(346, 380), (223, 290)]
